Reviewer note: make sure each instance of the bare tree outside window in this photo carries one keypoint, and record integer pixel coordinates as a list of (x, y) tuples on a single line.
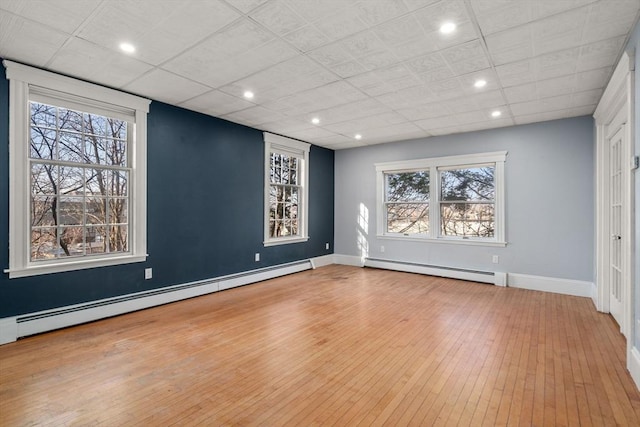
[(467, 202), (407, 202), (284, 195), (79, 183)]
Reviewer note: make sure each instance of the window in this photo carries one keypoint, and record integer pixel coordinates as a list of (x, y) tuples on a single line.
[(78, 174), (457, 199), (286, 195)]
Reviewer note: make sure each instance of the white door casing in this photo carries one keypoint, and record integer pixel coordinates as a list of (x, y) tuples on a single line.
[(615, 198)]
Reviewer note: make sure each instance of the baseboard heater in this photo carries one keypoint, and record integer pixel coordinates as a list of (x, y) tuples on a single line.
[(495, 278), (35, 323)]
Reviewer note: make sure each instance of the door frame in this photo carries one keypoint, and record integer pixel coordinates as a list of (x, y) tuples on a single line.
[(614, 110)]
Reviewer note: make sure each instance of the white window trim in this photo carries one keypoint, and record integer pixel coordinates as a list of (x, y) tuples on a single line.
[(433, 165), (21, 79), (299, 149)]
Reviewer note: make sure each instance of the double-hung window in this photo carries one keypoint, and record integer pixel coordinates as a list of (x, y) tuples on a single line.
[(458, 199), (286, 190), (77, 174)]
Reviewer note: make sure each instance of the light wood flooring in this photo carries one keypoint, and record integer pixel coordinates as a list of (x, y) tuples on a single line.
[(340, 346)]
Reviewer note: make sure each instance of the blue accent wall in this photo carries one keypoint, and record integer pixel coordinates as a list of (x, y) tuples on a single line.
[(205, 201)]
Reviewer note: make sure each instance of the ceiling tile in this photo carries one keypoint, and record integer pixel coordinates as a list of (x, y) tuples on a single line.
[(341, 23), (599, 54), (246, 6), (253, 115), (278, 17), (209, 62), (166, 87), (306, 38), (63, 15), (163, 42), (521, 93), (216, 103), (432, 17), (542, 105), (374, 12), (400, 31), (511, 45), (499, 15), (26, 41), (121, 20), (80, 58)]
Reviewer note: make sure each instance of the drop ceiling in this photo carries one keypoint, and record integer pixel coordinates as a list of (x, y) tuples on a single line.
[(378, 68)]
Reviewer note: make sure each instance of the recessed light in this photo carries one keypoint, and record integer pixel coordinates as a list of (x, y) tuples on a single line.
[(358, 136), (315, 121), (447, 28), (480, 83), (248, 94), (127, 47), (496, 113)]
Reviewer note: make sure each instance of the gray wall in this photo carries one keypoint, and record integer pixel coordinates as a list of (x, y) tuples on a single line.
[(549, 200)]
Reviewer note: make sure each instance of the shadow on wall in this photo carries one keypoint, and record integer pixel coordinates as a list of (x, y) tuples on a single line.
[(363, 232)]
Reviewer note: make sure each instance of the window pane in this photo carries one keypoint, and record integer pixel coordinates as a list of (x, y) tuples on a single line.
[(70, 147), (96, 181), (118, 213), (116, 129), (116, 151), (71, 241), (44, 179), (467, 219), (117, 184), (95, 240), (71, 181), (43, 143), (96, 149), (96, 210), (69, 120), (408, 187), (472, 184), (43, 244), (284, 177), (71, 211), (95, 124), (42, 211), (407, 218), (43, 115), (118, 238)]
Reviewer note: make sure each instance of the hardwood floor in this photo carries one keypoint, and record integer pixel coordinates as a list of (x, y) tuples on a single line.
[(338, 346)]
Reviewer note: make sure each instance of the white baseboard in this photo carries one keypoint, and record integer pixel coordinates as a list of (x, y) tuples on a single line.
[(12, 328), (322, 261), (8, 330), (551, 284), (454, 273), (594, 295), (633, 365), (355, 261)]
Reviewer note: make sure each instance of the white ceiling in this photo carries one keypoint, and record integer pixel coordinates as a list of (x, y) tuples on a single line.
[(379, 68)]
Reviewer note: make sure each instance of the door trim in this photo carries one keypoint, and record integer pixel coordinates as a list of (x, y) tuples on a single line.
[(614, 110)]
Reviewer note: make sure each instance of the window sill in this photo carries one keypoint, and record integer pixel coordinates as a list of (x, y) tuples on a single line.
[(35, 270), (468, 242), (285, 240)]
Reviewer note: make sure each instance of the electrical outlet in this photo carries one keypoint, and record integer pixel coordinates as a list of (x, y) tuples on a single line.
[(257, 256), (326, 245), (148, 273), (381, 248), (496, 259)]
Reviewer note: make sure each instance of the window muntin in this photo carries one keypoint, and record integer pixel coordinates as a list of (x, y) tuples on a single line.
[(79, 183), (467, 202), (77, 167), (457, 199), (407, 202), (286, 190), (284, 201)]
